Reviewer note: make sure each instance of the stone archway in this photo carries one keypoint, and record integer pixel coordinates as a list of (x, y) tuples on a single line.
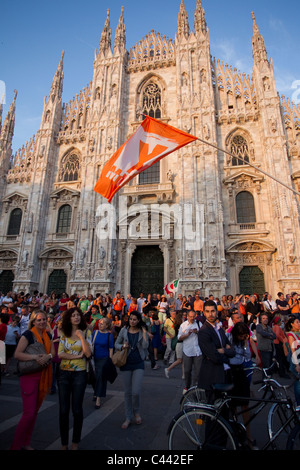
[(56, 260), (250, 266)]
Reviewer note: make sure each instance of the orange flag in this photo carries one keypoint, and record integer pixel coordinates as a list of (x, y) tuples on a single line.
[(152, 141)]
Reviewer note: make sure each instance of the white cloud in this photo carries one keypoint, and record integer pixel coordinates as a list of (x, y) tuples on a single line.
[(227, 52)]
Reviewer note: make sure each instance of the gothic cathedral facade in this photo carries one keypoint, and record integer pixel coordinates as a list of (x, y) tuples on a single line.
[(50, 213)]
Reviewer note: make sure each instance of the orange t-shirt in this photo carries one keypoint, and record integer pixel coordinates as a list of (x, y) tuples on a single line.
[(118, 304), (296, 308)]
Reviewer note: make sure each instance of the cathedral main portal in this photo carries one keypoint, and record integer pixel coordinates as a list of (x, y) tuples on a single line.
[(147, 271), (252, 280), (57, 282)]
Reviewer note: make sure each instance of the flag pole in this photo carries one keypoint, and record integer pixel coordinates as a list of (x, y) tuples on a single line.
[(250, 164)]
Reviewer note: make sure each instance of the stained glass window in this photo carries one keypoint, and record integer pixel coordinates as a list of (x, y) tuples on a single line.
[(69, 168), (152, 101), (152, 108), (239, 148)]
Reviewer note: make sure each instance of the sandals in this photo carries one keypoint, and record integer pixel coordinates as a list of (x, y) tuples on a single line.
[(98, 404), (138, 419), (126, 424)]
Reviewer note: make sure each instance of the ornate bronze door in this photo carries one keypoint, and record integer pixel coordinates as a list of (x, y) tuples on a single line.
[(252, 281), (147, 271), (57, 282), (6, 281)]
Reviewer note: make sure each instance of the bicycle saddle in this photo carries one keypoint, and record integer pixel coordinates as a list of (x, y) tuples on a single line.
[(222, 387)]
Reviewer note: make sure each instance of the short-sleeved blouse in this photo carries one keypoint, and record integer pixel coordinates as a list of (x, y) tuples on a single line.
[(74, 347)]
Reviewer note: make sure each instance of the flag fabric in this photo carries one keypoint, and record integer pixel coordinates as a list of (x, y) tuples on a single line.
[(152, 141), (172, 286)]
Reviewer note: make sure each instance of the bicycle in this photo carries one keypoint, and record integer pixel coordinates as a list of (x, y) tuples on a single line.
[(203, 426), (272, 390)]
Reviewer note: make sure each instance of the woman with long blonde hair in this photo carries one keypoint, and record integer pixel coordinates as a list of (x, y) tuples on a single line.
[(34, 386)]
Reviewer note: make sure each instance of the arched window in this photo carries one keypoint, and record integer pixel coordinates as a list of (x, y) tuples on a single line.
[(151, 105), (239, 148), (245, 209), (15, 222), (64, 219), (69, 168)]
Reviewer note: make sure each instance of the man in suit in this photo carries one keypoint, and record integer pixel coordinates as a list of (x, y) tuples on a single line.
[(216, 351)]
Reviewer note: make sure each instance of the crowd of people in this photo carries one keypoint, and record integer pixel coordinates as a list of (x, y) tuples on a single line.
[(213, 340)]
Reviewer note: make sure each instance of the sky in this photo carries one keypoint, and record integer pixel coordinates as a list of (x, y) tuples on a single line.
[(34, 33)]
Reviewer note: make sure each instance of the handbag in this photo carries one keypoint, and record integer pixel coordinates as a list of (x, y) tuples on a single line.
[(174, 342), (109, 371), (119, 358), (32, 366)]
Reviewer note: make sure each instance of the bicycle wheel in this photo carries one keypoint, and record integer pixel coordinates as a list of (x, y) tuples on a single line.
[(194, 395), (278, 415), (293, 442), (200, 429)]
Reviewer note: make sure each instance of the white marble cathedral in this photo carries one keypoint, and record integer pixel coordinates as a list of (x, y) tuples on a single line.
[(50, 212)]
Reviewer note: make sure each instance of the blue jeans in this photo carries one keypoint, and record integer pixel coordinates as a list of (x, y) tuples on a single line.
[(71, 389), (297, 390), (132, 380)]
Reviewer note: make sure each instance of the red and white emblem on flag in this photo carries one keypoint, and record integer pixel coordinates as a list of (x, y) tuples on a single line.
[(152, 141), (172, 286)]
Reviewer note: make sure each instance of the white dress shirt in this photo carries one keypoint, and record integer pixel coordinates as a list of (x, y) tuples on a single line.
[(190, 344)]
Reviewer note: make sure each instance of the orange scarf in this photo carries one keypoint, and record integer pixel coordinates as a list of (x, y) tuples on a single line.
[(46, 377)]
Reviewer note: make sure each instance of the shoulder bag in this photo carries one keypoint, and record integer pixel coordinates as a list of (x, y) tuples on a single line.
[(32, 366), (119, 358)]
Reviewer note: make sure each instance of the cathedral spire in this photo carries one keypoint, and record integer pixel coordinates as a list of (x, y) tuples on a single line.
[(120, 39), (57, 83), (7, 130), (199, 19), (183, 27), (1, 111), (258, 44), (105, 42)]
